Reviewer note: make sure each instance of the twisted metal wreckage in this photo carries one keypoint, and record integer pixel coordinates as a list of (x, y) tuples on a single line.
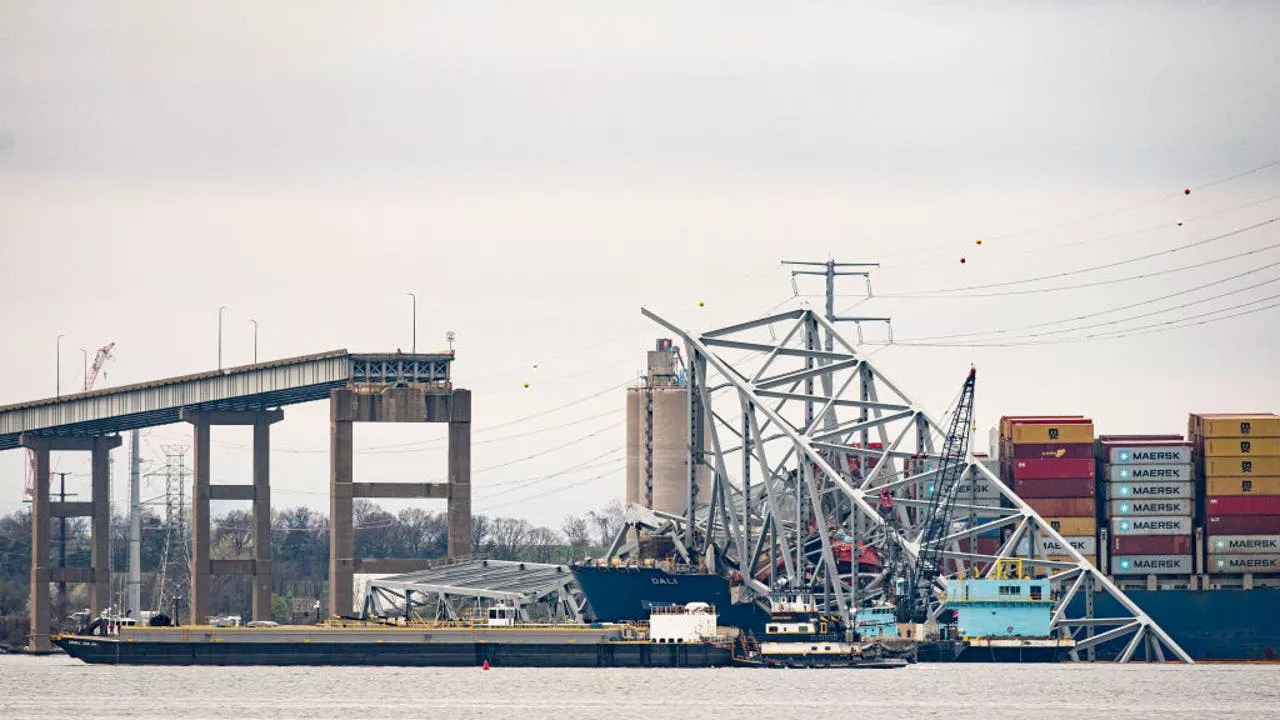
[(805, 443)]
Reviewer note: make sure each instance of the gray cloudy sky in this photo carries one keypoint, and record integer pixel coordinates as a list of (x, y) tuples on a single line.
[(537, 172)]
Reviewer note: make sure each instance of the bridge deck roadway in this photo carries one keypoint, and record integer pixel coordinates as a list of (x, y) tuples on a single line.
[(248, 387)]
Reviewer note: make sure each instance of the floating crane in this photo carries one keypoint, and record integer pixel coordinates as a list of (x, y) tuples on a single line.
[(915, 595)]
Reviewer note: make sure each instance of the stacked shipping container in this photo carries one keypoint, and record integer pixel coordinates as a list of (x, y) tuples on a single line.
[(1048, 462), (1148, 485), (1238, 457)]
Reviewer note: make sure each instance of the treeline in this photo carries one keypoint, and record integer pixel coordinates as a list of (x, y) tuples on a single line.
[(299, 554)]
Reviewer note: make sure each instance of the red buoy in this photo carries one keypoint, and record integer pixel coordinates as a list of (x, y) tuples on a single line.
[(1186, 191), (485, 666)]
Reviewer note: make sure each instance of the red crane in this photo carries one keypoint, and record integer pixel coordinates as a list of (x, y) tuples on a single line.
[(91, 376), (104, 354)]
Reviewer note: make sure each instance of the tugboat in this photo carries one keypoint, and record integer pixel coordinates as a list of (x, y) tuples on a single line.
[(797, 635)]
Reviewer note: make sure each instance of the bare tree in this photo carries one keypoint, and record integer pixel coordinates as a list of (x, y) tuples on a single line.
[(544, 544), (577, 531), (480, 527), (608, 521), (510, 537)]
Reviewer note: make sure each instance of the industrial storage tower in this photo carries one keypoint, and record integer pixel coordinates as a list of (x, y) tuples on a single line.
[(801, 439), (658, 436)]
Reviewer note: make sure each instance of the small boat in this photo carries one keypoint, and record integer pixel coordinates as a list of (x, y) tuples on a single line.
[(798, 635)]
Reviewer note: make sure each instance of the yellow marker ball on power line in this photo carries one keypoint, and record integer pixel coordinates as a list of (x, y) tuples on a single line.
[(700, 303), (526, 384), (979, 241)]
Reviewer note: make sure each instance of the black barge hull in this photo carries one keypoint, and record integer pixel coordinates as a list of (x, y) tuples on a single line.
[(461, 654)]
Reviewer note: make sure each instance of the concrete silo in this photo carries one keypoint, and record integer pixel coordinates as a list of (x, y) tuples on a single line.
[(658, 436)]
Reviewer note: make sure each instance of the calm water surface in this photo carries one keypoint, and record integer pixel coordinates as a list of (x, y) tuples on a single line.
[(59, 687)]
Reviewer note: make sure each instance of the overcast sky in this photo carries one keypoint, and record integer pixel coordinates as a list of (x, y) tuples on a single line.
[(536, 172)]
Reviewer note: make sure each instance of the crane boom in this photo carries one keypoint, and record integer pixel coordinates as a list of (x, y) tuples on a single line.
[(104, 354), (915, 603)]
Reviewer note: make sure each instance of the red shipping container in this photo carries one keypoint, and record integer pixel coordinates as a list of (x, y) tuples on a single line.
[(986, 545), (1242, 525), (1063, 507), (1151, 545), (1242, 505), (1052, 469), (1072, 451), (1069, 488)]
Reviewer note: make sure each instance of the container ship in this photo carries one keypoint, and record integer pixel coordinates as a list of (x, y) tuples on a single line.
[(1188, 526)]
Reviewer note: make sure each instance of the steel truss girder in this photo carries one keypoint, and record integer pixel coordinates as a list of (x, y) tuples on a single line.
[(790, 513)]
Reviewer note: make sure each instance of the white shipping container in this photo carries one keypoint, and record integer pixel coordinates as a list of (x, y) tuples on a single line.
[(1140, 454), (1151, 565), (1150, 507), (1084, 544), (1160, 525), (1244, 544), (1150, 473), (1244, 564), (1150, 491)]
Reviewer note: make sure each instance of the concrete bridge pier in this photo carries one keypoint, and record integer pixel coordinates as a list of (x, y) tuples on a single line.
[(203, 568), (421, 403), (43, 509)]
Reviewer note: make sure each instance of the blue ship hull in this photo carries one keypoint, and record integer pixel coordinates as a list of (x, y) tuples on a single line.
[(1208, 624)]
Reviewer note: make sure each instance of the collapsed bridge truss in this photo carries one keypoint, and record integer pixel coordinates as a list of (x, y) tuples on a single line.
[(801, 437)]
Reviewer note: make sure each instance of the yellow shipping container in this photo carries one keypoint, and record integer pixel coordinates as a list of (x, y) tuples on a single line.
[(1226, 426), (1261, 485), (1241, 447), (1041, 434), (1073, 525), (1238, 466)]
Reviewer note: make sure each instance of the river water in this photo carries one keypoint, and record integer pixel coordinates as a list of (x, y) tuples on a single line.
[(59, 687)]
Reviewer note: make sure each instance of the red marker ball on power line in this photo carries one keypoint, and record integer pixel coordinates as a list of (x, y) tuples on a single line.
[(1186, 191), (961, 261)]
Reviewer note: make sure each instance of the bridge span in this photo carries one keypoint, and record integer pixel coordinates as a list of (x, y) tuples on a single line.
[(382, 387)]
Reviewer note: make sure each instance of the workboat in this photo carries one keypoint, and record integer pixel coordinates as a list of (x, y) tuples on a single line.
[(676, 636), (798, 635)]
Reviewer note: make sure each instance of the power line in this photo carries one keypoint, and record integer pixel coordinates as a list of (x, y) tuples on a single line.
[(1097, 283), (1166, 325), (1114, 211), (1099, 313), (1106, 266)]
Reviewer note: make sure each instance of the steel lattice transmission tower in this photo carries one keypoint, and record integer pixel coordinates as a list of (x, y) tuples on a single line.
[(803, 437), (175, 555)]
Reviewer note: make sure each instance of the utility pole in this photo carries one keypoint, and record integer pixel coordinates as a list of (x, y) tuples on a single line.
[(62, 547), (830, 270), (134, 608), (220, 309), (414, 348)]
